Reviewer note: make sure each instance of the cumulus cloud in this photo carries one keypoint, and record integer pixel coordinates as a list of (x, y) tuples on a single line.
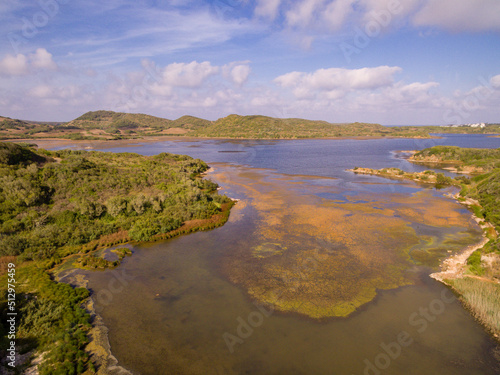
[(14, 65), (237, 72), (367, 94), (26, 64), (495, 81), (190, 75), (42, 59), (464, 15), (178, 87), (337, 81)]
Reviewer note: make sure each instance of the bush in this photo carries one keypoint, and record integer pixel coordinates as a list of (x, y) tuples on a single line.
[(474, 263)]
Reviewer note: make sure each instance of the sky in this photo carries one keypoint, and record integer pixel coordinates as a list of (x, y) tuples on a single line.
[(393, 62)]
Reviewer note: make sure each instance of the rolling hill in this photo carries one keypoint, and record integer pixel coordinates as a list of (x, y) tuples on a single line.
[(108, 125)]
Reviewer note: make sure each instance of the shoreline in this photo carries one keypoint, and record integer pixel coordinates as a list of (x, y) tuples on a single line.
[(161, 138), (454, 266), (99, 347), (475, 292)]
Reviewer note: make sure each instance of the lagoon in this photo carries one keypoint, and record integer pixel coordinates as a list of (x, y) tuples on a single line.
[(318, 271)]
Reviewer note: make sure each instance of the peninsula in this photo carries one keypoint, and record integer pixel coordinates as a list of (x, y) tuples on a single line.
[(58, 209)]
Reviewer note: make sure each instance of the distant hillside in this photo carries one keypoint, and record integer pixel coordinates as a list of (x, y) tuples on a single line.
[(235, 126), (108, 125), (15, 129), (488, 129), (108, 120), (191, 122), (130, 125)]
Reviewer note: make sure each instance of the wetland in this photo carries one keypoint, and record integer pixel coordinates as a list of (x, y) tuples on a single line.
[(317, 271)]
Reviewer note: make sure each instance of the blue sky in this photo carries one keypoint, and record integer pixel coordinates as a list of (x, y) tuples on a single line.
[(394, 62)]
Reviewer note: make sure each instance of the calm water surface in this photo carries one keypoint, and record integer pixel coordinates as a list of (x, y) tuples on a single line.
[(179, 314)]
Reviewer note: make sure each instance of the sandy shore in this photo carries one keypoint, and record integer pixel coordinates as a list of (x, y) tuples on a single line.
[(455, 266)]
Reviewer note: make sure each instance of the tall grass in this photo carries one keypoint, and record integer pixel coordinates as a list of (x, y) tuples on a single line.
[(483, 299)]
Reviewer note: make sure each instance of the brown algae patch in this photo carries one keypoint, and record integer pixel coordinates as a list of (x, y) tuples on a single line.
[(325, 258)]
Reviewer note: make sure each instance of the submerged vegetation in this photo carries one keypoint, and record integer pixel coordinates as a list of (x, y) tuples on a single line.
[(54, 204), (479, 286), (310, 255)]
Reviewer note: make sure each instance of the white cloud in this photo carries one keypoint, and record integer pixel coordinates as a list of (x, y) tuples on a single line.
[(368, 94), (413, 93), (190, 75), (302, 13), (14, 65), (45, 91), (337, 81), (495, 81), (316, 18), (22, 64), (336, 13), (463, 15), (42, 59), (267, 8), (239, 74)]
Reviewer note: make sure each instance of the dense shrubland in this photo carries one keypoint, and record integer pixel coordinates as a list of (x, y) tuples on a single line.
[(58, 203), (52, 199)]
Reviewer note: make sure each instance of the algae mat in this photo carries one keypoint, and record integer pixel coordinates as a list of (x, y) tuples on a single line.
[(319, 253)]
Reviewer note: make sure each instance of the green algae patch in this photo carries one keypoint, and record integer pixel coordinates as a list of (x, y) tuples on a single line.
[(325, 258)]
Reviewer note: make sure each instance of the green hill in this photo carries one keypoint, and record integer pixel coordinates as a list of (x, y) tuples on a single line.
[(235, 126), (110, 124), (191, 123), (107, 125), (16, 129), (111, 121)]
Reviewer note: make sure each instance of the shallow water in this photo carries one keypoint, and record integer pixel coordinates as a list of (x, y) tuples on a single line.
[(191, 305)]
